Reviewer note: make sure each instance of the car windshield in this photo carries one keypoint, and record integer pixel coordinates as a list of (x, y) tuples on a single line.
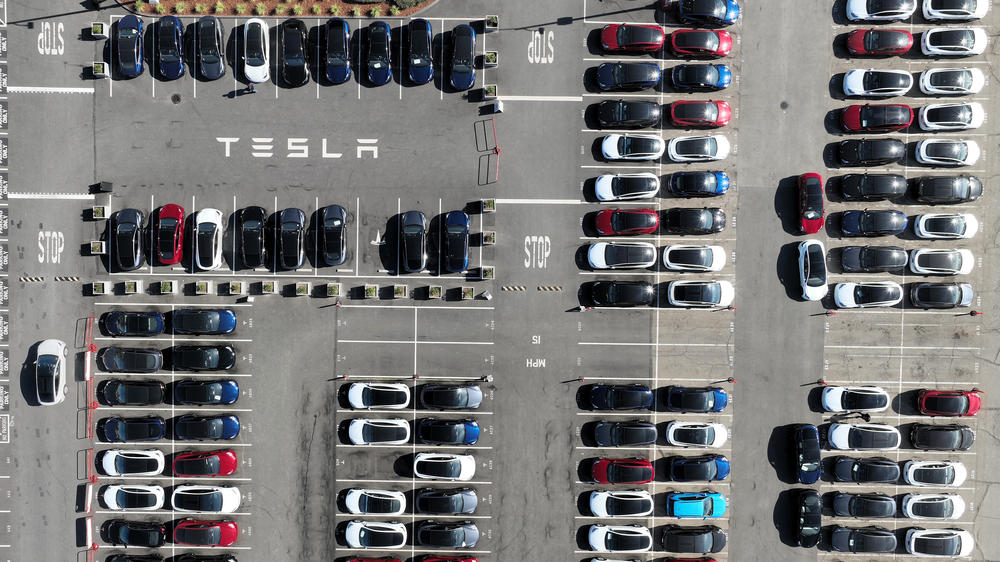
[(46, 365), (883, 81), (168, 227), (206, 240), (376, 504), (950, 224), (705, 40), (948, 150), (420, 47), (202, 320), (950, 114), (946, 403), (378, 539), (706, 111), (200, 392), (199, 535), (620, 472), (462, 59), (816, 263), (940, 474), (873, 294), (953, 39), (632, 434), (692, 400), (211, 427), (958, 80), (198, 501), (378, 397), (136, 430), (255, 45), (336, 45), (127, 464), (694, 256), (699, 74), (290, 238), (698, 293), (294, 55), (627, 506), (205, 465), (139, 536), (639, 145), (445, 396), (46, 382), (941, 544), (441, 469), (852, 400), (858, 438), (704, 146), (443, 432), (700, 470), (696, 435), (621, 255), (937, 508), (695, 182), (628, 185), (202, 356), (876, 222), (207, 46), (620, 541), (622, 221), (333, 234), (168, 44)]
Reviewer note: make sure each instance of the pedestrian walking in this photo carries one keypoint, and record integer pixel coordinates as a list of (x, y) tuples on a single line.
[(251, 89)]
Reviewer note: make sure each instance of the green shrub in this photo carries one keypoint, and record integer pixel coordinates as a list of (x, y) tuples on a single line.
[(404, 4), (280, 9), (356, 12), (366, 1), (375, 12), (180, 8), (394, 11), (200, 8), (260, 9), (298, 9), (241, 9), (335, 10), (139, 5), (160, 9), (220, 7), (317, 9)]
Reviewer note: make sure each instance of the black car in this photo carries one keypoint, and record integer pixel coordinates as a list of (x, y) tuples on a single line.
[(622, 293), (863, 505), (379, 69), (713, 13), (206, 558), (810, 517), (117, 429), (202, 428), (338, 56), (120, 392), (872, 187), (288, 235), (446, 501), (625, 433), (871, 152), (627, 75), (872, 259), (210, 47), (621, 397), (451, 396), (941, 295), (936, 190), (808, 464), (862, 539), (126, 228), (457, 534), (170, 47), (700, 77), (694, 221), (950, 437), (865, 470), (129, 359), (134, 533), (879, 222), (142, 558), (698, 184), (203, 357), (134, 324), (434, 431), (455, 253), (624, 113), (250, 222), (701, 468), (206, 392), (331, 235), (420, 63), (696, 399), (292, 45), (412, 234), (688, 294), (203, 321), (463, 54), (702, 539)]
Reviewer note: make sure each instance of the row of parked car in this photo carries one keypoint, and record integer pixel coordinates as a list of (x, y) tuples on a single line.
[(330, 48)]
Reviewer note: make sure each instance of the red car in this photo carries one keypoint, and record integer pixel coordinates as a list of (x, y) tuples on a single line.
[(622, 471), (810, 203), (169, 234), (205, 463), (449, 559), (879, 42), (631, 37), (627, 221), (203, 532), (701, 43), (698, 113), (387, 559), (949, 402), (875, 118)]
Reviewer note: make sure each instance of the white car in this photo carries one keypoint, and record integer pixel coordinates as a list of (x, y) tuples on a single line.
[(953, 41), (698, 148), (619, 538), (855, 399), (625, 187), (375, 534), (877, 82), (939, 542), (133, 497), (394, 431), (256, 67), (632, 147), (948, 152), (444, 466), (937, 10), (388, 395), (942, 261), (933, 506), (863, 437), (208, 239), (946, 225), (686, 257), (951, 116), (50, 372), (132, 462), (621, 255), (952, 81), (812, 270), (375, 502), (867, 294), (935, 473), (696, 434), (626, 503), (880, 10), (206, 499), (700, 294)]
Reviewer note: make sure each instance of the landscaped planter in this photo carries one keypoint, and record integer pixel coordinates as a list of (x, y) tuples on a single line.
[(333, 289), (237, 288), (434, 292), (489, 237), (371, 291), (486, 272), (268, 288), (489, 205), (99, 288), (491, 59), (133, 287), (99, 30), (468, 293), (98, 248), (489, 92), (400, 291), (491, 23), (302, 288), (99, 212), (203, 287), (167, 287), (99, 69)]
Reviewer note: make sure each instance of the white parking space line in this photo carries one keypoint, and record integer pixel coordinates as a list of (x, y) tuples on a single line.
[(415, 447), (186, 305), (398, 481), (415, 341), (154, 409), (348, 411), (125, 512), (173, 443), (186, 375), (158, 478), (603, 414), (422, 308), (901, 347), (618, 273), (127, 338), (621, 166), (700, 240), (934, 383), (652, 344)]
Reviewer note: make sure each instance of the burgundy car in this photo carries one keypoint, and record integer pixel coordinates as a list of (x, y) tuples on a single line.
[(701, 43), (203, 532), (619, 37), (810, 203), (699, 113), (205, 463), (949, 402), (168, 234), (611, 222), (876, 118), (879, 42), (622, 471)]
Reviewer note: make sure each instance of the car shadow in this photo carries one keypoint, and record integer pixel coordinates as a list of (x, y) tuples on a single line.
[(590, 116), (594, 42), (403, 466), (905, 403), (838, 12), (785, 517), (830, 155), (583, 503), (583, 472), (781, 453), (29, 390), (836, 86), (815, 399), (583, 397), (786, 204), (389, 252), (831, 122)]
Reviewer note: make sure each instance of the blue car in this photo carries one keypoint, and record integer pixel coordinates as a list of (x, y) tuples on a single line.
[(206, 392), (872, 223), (379, 69), (696, 505), (203, 321), (338, 56), (136, 324), (463, 54), (714, 13), (701, 77), (808, 463), (170, 47), (206, 428), (436, 431), (701, 399), (627, 76), (420, 63), (699, 184), (128, 43), (456, 241), (117, 429), (703, 468)]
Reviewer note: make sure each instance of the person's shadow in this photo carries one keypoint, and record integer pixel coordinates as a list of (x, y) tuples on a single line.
[(239, 92)]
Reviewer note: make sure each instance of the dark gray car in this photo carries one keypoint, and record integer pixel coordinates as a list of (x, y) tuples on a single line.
[(873, 259), (451, 396), (127, 239), (251, 222), (951, 437), (460, 534), (331, 235), (625, 433), (863, 505), (941, 295), (937, 190), (446, 501), (130, 360), (210, 51), (866, 469), (862, 539), (872, 187), (288, 236), (702, 539), (412, 241)]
